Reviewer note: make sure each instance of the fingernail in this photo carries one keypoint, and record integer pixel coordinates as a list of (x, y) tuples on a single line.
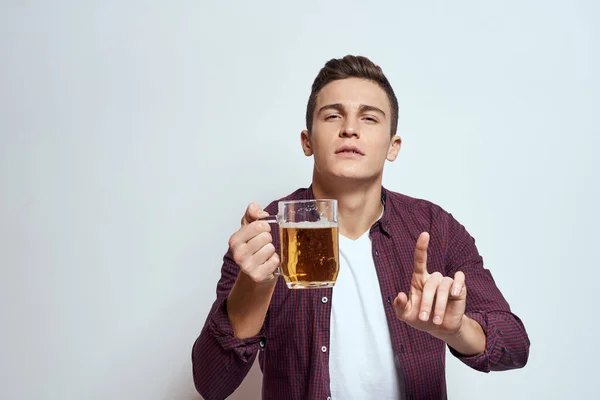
[(437, 320), (455, 292), (423, 316)]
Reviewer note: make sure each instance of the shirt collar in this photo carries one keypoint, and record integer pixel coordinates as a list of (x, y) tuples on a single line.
[(309, 195), (383, 222)]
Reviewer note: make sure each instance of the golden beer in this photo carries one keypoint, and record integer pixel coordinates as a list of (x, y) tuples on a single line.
[(309, 254)]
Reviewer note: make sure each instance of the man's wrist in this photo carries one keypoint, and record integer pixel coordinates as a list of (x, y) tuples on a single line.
[(247, 305), (251, 285), (468, 340)]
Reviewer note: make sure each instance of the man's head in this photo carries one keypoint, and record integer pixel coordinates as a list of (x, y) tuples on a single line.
[(351, 118), (352, 67)]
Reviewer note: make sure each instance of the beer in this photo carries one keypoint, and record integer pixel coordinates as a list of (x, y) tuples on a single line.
[(309, 254)]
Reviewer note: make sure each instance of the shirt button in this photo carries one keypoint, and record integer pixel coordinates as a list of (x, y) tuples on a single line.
[(324, 349), (377, 253), (324, 300), (329, 398)]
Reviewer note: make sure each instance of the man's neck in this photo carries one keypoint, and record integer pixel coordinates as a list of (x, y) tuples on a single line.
[(359, 204)]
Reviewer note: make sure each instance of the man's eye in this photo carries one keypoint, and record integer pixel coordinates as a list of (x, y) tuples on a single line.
[(371, 119), (332, 116)]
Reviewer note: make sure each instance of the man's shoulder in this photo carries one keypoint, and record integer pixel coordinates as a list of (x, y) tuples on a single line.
[(409, 203), (413, 210)]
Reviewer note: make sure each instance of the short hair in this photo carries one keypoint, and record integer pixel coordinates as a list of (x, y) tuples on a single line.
[(351, 67)]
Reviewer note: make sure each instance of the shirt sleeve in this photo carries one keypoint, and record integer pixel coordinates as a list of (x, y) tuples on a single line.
[(220, 361), (507, 342)]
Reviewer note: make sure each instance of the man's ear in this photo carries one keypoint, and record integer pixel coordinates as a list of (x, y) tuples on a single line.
[(394, 148), (306, 144)]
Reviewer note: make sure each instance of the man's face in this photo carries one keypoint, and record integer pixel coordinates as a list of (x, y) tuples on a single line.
[(350, 135)]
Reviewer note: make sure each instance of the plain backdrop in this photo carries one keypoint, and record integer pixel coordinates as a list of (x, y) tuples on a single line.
[(135, 133)]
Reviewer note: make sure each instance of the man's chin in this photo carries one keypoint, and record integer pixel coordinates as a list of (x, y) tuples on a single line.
[(346, 175), (351, 176)]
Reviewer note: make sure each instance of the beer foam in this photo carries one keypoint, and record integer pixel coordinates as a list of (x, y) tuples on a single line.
[(323, 223)]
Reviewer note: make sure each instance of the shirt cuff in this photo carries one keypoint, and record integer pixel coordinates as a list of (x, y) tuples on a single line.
[(220, 328), (480, 362)]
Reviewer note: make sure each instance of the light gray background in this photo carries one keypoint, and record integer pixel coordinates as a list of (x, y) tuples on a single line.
[(135, 133)]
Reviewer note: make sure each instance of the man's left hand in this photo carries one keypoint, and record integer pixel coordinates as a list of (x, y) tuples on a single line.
[(436, 303)]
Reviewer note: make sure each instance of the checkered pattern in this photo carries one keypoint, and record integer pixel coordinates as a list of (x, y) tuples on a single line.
[(293, 346)]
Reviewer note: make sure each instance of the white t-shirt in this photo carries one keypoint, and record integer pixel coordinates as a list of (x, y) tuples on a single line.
[(361, 358)]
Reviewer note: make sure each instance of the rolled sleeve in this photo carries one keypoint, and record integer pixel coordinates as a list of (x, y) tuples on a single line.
[(507, 344), (220, 328), (480, 362)]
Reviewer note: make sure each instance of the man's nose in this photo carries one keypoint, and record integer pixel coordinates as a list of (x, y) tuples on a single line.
[(349, 130)]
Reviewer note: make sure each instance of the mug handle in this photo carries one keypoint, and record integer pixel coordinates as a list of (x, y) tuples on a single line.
[(271, 219)]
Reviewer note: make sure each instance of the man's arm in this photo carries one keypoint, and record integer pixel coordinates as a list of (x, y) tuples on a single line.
[(507, 343), (230, 340), (247, 305)]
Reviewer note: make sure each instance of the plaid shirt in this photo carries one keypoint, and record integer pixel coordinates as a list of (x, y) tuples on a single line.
[(293, 345)]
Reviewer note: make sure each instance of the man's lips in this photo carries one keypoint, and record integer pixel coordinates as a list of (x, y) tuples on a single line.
[(349, 149)]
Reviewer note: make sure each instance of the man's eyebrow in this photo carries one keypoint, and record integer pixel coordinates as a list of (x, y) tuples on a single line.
[(337, 106), (366, 107), (340, 107)]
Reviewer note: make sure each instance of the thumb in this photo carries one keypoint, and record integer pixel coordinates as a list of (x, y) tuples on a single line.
[(253, 212), (262, 214)]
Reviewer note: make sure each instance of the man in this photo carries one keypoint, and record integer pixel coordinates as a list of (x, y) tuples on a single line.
[(411, 280)]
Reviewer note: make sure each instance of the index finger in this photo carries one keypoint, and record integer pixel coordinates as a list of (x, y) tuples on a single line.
[(421, 254), (253, 212)]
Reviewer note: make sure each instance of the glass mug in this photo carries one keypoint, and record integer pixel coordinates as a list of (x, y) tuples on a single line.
[(309, 238)]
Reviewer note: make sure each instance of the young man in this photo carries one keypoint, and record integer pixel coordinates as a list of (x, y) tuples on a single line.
[(411, 280)]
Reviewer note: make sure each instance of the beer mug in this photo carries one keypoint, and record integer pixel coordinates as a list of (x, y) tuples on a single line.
[(308, 233)]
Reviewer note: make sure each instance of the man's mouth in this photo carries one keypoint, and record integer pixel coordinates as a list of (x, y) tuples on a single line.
[(349, 150)]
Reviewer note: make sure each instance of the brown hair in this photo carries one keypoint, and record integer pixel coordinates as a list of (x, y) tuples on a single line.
[(351, 67)]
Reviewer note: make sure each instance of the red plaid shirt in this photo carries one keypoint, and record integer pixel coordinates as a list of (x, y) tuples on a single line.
[(293, 345)]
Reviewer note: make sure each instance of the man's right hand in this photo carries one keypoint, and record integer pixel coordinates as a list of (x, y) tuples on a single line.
[(252, 246), (250, 296)]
